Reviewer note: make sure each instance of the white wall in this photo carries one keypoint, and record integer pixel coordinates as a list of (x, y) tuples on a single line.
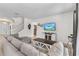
[(26, 31), (64, 24), (17, 25)]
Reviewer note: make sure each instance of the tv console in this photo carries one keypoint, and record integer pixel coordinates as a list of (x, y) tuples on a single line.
[(48, 35)]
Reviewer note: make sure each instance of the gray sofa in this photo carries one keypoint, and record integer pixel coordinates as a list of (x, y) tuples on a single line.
[(15, 47)]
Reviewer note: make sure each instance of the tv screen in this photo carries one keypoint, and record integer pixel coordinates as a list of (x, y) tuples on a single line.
[(49, 26)]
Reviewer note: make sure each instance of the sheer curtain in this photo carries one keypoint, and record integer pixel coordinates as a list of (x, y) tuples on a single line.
[(4, 29)]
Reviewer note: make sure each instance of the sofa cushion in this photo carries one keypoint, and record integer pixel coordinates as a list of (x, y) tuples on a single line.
[(70, 48), (2, 40), (9, 38), (57, 49), (66, 53), (30, 50), (10, 50), (17, 43)]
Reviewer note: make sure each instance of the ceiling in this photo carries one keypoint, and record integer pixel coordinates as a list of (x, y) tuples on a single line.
[(34, 10)]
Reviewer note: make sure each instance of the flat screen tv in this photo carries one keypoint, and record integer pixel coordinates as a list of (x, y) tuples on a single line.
[(49, 26)]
